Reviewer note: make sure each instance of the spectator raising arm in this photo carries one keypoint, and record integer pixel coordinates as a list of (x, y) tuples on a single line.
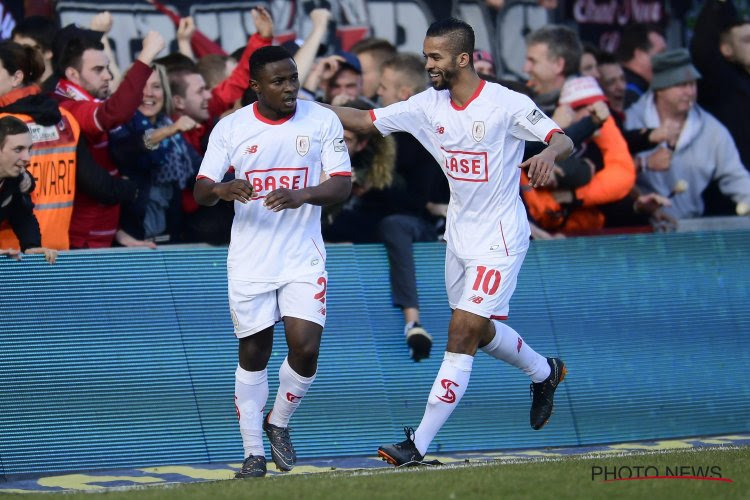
[(224, 95), (305, 56), (103, 22)]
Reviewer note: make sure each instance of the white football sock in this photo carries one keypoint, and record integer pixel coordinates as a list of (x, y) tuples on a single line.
[(250, 395), (450, 385), (292, 388), (507, 345)]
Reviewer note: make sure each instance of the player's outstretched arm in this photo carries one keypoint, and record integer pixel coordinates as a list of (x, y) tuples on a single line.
[(207, 192), (333, 190), (541, 165), (358, 121)]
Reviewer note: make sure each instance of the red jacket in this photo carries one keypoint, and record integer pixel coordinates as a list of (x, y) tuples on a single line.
[(224, 95), (94, 224)]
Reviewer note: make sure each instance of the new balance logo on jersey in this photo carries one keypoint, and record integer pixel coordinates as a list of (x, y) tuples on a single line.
[(449, 396), (519, 345), (476, 299), (265, 181), (465, 165), (440, 130), (251, 149)]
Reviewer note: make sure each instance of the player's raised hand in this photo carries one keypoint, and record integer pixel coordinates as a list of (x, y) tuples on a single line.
[(540, 168), (186, 28), (235, 190), (153, 43), (280, 199), (102, 22), (263, 21)]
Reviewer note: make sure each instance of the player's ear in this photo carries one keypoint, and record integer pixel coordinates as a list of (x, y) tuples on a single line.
[(254, 85), (464, 59)]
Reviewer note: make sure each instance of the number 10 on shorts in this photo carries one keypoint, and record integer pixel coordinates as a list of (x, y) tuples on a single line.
[(488, 279)]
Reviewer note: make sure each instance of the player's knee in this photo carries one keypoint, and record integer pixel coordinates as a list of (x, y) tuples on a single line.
[(306, 352)]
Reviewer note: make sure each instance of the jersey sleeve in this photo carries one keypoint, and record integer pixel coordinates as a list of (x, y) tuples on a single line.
[(528, 122), (216, 161), (404, 116), (334, 155)]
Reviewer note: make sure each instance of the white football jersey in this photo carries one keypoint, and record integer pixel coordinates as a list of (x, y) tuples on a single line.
[(289, 153), (479, 147)]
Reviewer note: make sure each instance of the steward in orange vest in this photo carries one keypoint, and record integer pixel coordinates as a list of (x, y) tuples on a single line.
[(53, 163)]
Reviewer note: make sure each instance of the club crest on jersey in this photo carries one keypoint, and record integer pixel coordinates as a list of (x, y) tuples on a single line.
[(477, 131), (303, 145)]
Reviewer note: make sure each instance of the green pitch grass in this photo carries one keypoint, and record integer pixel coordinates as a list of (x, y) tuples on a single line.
[(554, 479)]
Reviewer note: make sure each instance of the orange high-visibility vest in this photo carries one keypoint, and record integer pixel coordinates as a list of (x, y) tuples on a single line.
[(53, 166)]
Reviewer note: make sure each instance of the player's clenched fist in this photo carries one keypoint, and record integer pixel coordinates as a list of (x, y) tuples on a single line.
[(235, 190), (540, 168), (280, 199)]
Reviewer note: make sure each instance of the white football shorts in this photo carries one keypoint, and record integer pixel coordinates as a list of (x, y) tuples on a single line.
[(482, 285), (255, 306)]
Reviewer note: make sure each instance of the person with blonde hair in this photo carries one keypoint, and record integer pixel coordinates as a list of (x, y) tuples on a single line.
[(151, 150)]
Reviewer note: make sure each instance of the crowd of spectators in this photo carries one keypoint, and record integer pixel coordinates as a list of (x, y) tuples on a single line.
[(661, 134)]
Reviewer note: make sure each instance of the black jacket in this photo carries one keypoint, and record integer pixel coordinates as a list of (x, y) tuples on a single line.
[(724, 89), (17, 208)]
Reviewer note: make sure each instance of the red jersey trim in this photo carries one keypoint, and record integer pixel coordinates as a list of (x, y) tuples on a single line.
[(372, 116), (267, 120), (204, 177), (341, 174), (553, 131), (474, 96), (500, 318)]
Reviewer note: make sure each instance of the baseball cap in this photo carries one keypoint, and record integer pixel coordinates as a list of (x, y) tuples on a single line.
[(671, 68), (350, 60), (581, 91)]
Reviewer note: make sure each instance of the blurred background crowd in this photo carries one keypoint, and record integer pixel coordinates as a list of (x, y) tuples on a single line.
[(120, 104)]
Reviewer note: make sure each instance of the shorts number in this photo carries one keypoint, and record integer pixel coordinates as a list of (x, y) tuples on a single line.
[(321, 295), (490, 281)]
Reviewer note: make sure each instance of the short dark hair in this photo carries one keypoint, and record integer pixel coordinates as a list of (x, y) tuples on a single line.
[(213, 68), (605, 57), (175, 61), (71, 53), (460, 34), (411, 69), (39, 28), (562, 42), (10, 125), (380, 49), (176, 75), (15, 56), (267, 55), (635, 37)]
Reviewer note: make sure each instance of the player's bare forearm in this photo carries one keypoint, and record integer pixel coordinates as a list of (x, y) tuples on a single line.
[(560, 145), (540, 166), (356, 120), (333, 190), (207, 192)]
